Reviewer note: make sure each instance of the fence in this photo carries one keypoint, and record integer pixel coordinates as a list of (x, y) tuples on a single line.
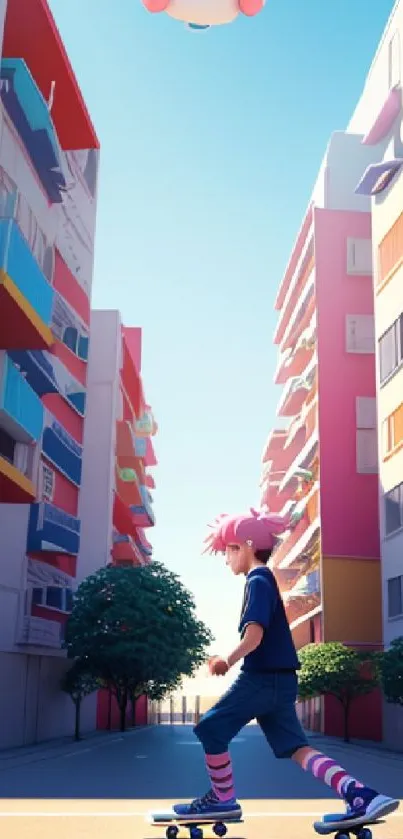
[(179, 710)]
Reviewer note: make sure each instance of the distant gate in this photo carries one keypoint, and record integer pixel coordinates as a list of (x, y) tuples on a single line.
[(179, 710)]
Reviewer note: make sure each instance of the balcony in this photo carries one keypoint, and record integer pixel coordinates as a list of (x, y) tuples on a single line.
[(52, 530), (126, 552), (302, 462), (275, 443), (307, 419), (303, 598), (143, 544), (297, 291), (125, 450), (61, 449), (140, 447), (150, 459), (143, 515), (30, 115), (21, 410), (68, 327), (15, 486), (37, 368), (127, 487), (46, 374), (300, 542), (39, 632), (302, 316), (26, 298), (296, 392), (307, 588), (270, 496), (294, 360)]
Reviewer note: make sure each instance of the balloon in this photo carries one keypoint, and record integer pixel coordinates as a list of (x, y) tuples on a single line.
[(201, 14)]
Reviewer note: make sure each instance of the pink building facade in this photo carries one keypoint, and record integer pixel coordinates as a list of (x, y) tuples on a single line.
[(321, 464)]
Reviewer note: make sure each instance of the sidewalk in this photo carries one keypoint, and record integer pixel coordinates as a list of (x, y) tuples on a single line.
[(63, 747), (323, 742)]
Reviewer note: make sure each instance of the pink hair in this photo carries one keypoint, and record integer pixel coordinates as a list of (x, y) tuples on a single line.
[(260, 528)]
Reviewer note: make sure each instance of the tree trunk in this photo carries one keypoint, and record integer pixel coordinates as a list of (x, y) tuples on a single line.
[(109, 723), (122, 700), (346, 720), (77, 734), (134, 701)]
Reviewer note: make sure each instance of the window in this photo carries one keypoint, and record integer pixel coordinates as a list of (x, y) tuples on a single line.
[(392, 431), (393, 509), (365, 409), (395, 597), (359, 256), (390, 251), (360, 334), (394, 61), (54, 597), (390, 349), (7, 446), (366, 436)]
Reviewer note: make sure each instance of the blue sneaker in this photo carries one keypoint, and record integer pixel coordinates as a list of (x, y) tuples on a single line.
[(209, 806), (364, 805)]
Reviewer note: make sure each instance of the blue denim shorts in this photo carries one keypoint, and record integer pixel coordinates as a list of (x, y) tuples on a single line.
[(270, 698)]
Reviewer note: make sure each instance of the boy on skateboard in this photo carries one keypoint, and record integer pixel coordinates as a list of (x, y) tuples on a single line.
[(266, 689)]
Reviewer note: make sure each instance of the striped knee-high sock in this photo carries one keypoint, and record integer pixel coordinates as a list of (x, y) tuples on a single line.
[(328, 771), (219, 768)]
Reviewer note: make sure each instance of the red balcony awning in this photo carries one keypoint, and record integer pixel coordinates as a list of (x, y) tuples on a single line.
[(128, 490), (30, 33), (122, 518)]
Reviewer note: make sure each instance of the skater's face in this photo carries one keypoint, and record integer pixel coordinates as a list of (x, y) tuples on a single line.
[(239, 558)]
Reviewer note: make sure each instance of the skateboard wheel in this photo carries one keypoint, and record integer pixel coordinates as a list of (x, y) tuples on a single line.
[(220, 829), (365, 833), (196, 833), (172, 832), (342, 836)]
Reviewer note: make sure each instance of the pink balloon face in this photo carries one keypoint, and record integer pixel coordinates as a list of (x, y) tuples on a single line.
[(205, 13)]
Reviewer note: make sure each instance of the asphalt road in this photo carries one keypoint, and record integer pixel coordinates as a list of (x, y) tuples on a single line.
[(105, 786)]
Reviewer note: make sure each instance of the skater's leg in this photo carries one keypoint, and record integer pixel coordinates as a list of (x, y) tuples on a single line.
[(215, 731), (285, 735), (325, 769), (362, 801)]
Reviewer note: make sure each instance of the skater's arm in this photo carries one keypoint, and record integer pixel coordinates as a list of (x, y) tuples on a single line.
[(250, 641)]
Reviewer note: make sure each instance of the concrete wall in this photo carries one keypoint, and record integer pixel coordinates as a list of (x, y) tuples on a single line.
[(98, 477), (378, 80), (32, 706)]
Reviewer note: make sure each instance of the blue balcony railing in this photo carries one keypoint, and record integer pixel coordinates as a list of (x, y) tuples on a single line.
[(51, 529), (17, 260), (30, 114), (20, 408), (62, 450)]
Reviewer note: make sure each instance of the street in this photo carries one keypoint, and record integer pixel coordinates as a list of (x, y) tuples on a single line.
[(106, 784)]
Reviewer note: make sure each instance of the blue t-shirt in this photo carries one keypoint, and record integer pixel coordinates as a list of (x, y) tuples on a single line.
[(263, 604)]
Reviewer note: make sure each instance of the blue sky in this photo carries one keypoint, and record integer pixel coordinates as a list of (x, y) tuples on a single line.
[(210, 145)]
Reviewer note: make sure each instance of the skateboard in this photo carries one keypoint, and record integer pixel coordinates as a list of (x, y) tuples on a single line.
[(342, 830), (195, 828)]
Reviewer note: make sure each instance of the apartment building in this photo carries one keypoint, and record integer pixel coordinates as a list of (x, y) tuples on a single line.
[(379, 117), (48, 179), (320, 464), (116, 505)]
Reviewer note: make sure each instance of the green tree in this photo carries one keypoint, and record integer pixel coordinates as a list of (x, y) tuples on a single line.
[(391, 672), (137, 631), (336, 670), (78, 682)]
